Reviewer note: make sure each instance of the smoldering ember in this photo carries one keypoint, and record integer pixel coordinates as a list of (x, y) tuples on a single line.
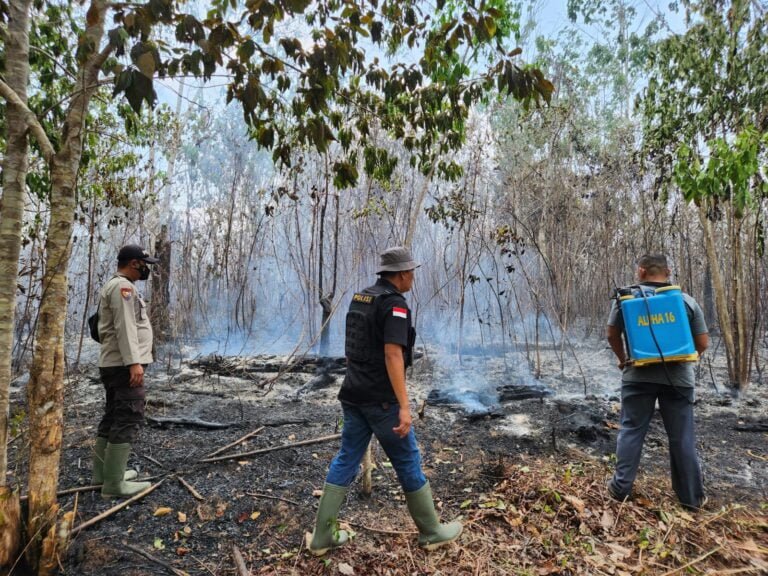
[(521, 242)]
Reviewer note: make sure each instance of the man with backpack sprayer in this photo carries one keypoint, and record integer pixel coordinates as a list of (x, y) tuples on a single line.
[(665, 332)]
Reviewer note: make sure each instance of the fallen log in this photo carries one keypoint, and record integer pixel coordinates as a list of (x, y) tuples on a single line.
[(242, 569), (157, 561), (201, 393), (270, 497), (752, 427), (323, 379), (191, 488), (239, 365), (67, 491), (194, 422), (483, 414), (114, 509), (12, 440), (153, 460), (288, 422), (272, 449), (89, 488), (510, 392), (235, 443)]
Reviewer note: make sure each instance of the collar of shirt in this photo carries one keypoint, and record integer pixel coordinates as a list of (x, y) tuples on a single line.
[(387, 284)]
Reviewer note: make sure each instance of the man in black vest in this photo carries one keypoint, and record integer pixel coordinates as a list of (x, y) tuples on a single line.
[(374, 399)]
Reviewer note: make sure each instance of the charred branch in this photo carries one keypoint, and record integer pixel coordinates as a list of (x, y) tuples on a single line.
[(240, 366), (273, 448), (511, 392), (154, 559), (752, 427), (193, 422), (250, 434), (117, 508)]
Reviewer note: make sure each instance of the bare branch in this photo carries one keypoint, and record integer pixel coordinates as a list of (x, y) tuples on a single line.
[(53, 59), (30, 119)]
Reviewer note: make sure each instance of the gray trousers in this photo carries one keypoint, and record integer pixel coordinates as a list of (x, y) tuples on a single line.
[(638, 401)]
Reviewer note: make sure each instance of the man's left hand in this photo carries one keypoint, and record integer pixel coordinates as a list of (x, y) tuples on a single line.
[(136, 372), (405, 423)]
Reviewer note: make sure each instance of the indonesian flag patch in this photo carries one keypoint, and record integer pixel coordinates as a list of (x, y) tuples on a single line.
[(400, 312), (126, 293)]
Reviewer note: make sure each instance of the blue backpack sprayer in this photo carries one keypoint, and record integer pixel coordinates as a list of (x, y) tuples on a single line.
[(656, 325)]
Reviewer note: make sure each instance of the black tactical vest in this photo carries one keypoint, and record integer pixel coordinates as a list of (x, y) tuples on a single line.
[(363, 343), (367, 381)]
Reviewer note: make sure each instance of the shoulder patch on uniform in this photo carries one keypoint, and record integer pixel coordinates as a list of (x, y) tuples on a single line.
[(400, 312), (126, 293), (363, 298)]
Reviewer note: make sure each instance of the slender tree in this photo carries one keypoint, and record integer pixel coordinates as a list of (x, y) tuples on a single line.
[(706, 98), (15, 162)]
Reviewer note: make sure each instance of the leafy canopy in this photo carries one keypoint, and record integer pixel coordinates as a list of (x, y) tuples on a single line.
[(707, 90), (321, 87)]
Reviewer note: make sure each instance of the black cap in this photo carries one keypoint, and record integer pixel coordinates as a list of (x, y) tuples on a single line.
[(135, 252)]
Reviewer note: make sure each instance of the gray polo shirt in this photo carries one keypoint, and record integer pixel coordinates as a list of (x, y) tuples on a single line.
[(124, 327), (678, 374)]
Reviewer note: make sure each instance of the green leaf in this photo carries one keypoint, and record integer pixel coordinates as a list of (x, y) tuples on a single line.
[(490, 26), (246, 50), (297, 6), (266, 136), (146, 64), (140, 90), (345, 176)]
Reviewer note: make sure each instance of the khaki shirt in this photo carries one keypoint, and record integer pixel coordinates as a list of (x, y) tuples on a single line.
[(124, 328)]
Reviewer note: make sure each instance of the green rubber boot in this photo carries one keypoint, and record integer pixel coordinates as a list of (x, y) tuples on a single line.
[(432, 534), (115, 485), (326, 534), (98, 462)]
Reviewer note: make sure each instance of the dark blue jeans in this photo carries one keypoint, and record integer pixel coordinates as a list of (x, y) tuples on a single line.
[(360, 422), (638, 401)]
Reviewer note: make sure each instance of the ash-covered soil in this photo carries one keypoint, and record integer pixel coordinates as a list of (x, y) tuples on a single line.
[(263, 504)]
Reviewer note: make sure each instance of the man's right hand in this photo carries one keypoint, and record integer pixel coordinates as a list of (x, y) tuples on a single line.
[(137, 375)]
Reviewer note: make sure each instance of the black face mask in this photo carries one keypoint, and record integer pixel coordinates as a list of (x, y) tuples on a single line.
[(143, 271)]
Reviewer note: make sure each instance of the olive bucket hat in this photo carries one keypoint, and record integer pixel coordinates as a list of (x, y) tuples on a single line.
[(396, 259)]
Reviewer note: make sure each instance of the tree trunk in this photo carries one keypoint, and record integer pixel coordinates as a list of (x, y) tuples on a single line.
[(721, 302), (46, 383), (89, 282), (709, 300), (325, 300), (742, 327), (45, 390), (161, 280), (416, 209), (161, 292), (15, 166)]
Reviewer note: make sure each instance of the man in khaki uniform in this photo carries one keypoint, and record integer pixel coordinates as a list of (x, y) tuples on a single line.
[(126, 348)]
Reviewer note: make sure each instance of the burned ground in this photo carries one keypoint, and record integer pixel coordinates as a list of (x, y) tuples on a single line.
[(527, 476)]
